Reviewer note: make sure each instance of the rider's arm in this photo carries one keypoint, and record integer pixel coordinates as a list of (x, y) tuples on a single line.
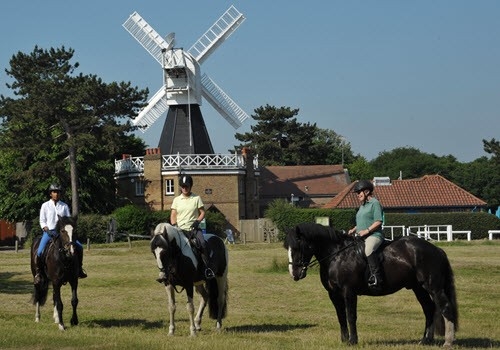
[(173, 217)]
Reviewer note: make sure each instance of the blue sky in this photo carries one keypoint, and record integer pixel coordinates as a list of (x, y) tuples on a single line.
[(383, 74)]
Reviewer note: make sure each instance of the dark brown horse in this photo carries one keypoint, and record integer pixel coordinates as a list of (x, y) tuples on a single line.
[(408, 262), (61, 267), (174, 255)]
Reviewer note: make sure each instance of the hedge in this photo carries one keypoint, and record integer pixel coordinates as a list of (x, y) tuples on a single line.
[(286, 216)]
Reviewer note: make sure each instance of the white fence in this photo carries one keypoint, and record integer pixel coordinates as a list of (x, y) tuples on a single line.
[(428, 232), (493, 232)]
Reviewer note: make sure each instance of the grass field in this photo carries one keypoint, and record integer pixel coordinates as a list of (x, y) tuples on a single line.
[(123, 307)]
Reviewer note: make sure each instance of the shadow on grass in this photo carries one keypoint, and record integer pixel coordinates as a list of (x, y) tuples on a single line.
[(267, 328), (110, 323), (14, 287), (467, 343)]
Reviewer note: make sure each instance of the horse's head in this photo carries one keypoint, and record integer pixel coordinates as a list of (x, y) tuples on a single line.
[(66, 228), (300, 253)]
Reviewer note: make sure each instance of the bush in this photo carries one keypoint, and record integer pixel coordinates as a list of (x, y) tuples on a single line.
[(216, 223), (133, 219), (93, 227)]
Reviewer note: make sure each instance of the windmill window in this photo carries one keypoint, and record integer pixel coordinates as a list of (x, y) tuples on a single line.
[(169, 187)]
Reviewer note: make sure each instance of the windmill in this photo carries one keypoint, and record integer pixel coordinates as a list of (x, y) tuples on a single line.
[(184, 130)]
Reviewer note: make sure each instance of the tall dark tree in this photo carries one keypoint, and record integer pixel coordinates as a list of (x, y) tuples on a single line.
[(493, 147), (62, 127), (279, 139)]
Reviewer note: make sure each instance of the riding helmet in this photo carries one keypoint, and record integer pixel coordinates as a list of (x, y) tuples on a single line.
[(186, 180), (55, 187), (362, 185)]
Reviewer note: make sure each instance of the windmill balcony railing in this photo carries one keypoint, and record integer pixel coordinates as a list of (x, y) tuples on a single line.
[(178, 161)]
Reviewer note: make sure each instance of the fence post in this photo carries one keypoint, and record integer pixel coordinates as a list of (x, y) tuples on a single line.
[(88, 244), (449, 234)]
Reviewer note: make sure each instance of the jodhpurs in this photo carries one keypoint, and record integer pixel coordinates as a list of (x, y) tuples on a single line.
[(46, 238), (371, 244)]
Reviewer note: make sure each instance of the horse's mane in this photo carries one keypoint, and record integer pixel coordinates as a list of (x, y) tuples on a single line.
[(313, 232)]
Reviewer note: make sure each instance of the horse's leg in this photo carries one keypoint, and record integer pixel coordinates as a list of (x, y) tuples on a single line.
[(58, 306), (74, 301), (429, 308), (37, 312), (171, 308), (222, 300), (339, 304), (351, 300), (202, 291), (443, 304), (190, 309)]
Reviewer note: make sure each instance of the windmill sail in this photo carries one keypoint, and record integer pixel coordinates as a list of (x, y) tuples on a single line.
[(157, 105), (222, 102), (216, 34), (147, 36)]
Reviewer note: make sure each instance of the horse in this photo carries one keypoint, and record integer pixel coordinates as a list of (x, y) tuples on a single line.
[(408, 262), (182, 268), (60, 267)]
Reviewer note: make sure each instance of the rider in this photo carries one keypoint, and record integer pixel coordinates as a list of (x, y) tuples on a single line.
[(187, 211), (369, 219), (49, 213)]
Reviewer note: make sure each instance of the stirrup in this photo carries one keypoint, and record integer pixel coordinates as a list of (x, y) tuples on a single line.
[(209, 274), (82, 273)]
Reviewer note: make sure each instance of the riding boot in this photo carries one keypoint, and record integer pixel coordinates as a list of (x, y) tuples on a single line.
[(209, 273), (82, 273), (375, 279), (38, 270)]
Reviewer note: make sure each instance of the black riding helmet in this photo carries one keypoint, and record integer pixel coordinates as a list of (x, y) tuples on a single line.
[(362, 185), (186, 180), (54, 187)]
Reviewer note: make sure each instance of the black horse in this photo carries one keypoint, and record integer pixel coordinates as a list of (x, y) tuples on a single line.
[(61, 266), (408, 262), (175, 257)]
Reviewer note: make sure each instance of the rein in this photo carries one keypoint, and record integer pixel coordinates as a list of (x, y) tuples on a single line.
[(315, 262)]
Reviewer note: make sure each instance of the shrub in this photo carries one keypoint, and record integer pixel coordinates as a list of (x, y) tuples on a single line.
[(93, 227)]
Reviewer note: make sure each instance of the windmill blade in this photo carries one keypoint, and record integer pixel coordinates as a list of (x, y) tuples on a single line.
[(216, 34), (147, 36), (157, 105), (222, 102)]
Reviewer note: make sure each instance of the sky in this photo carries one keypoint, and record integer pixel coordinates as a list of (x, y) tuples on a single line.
[(382, 74)]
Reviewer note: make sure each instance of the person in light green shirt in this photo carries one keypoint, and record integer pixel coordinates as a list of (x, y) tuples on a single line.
[(369, 220), (186, 212)]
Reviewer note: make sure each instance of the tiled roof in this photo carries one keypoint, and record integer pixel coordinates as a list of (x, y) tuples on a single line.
[(311, 180), (429, 191)]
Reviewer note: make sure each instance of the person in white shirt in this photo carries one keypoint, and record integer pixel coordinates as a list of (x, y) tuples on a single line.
[(49, 213)]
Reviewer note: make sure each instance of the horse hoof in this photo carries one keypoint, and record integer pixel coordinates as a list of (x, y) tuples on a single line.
[(61, 327)]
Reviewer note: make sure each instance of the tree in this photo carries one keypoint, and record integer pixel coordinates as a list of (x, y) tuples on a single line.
[(64, 128), (493, 147), (412, 163), (279, 139)]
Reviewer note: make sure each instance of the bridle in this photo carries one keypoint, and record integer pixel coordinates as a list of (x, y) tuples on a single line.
[(315, 261)]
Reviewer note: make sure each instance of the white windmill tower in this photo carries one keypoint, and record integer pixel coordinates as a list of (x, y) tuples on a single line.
[(184, 130)]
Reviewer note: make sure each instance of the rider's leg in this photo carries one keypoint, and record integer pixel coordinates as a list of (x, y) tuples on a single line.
[(38, 258), (79, 249), (371, 245), (205, 255)]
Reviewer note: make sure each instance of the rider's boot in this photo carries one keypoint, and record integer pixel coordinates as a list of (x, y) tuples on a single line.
[(38, 270), (375, 279), (82, 273), (209, 273)]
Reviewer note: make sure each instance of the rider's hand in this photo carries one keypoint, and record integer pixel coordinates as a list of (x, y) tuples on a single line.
[(195, 225)]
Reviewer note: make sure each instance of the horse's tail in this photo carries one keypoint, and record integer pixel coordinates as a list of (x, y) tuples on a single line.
[(217, 297), (40, 292), (451, 295)]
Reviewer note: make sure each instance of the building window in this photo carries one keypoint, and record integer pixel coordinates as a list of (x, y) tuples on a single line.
[(139, 188), (169, 187)]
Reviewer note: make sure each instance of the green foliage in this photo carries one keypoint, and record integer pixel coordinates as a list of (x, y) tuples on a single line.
[(477, 223), (216, 223), (133, 219), (93, 227), (279, 139), (63, 128), (286, 216)]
